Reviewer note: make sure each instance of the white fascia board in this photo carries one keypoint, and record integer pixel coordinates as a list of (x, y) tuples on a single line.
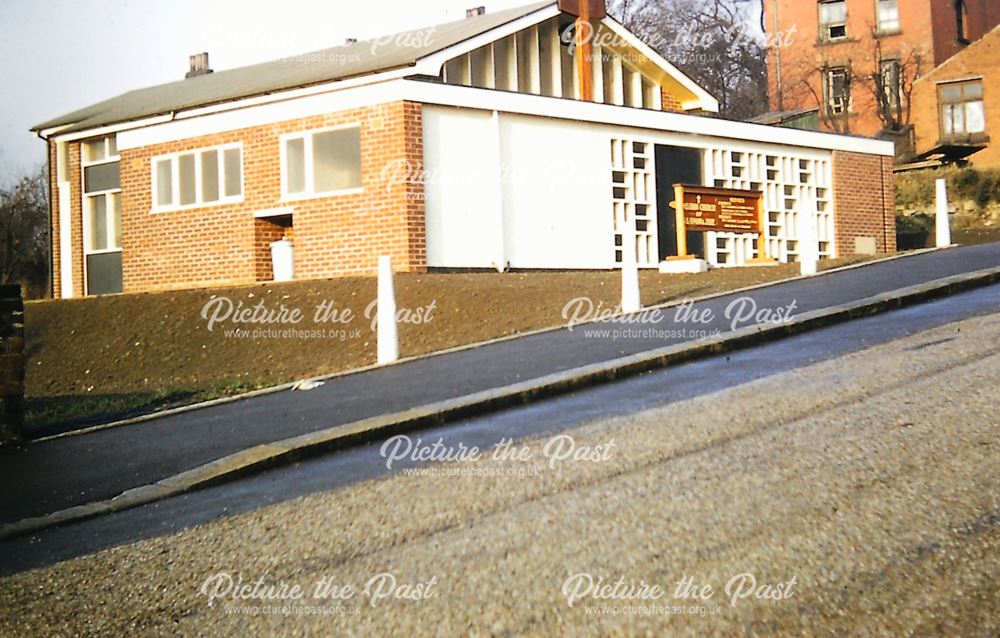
[(706, 101), (567, 109), (494, 100), (432, 64)]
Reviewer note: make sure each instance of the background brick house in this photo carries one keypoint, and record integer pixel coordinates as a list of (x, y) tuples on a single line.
[(856, 60), (466, 145), (956, 107)]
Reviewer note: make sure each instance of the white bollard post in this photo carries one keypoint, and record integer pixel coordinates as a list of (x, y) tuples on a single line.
[(388, 335), (808, 238), (942, 223), (631, 301)]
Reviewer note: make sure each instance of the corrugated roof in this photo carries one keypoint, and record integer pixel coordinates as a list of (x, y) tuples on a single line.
[(337, 63)]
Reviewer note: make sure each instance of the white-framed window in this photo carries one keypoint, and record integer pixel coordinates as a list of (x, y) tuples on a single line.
[(321, 162), (891, 84), (962, 112), (837, 87), (102, 216), (832, 19), (888, 16), (198, 178)]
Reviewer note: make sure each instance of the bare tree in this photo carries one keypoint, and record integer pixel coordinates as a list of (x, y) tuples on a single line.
[(715, 42), (24, 232)]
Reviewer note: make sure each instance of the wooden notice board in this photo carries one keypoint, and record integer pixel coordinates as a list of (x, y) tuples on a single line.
[(727, 210)]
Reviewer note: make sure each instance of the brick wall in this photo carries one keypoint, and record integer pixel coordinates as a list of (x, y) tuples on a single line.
[(858, 210), (11, 364), (55, 258), (336, 235), (670, 103), (981, 60), (928, 26)]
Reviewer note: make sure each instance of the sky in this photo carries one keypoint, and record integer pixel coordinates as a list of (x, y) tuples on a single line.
[(61, 55)]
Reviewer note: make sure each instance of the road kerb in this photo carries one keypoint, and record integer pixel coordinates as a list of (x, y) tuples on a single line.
[(341, 437)]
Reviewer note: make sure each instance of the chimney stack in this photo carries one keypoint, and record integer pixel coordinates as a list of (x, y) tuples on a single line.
[(199, 65), (475, 11)]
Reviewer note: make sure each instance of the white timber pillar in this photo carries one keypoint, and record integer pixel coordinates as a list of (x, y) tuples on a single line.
[(388, 335), (808, 237)]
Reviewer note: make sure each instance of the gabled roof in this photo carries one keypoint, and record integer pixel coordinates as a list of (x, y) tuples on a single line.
[(329, 65)]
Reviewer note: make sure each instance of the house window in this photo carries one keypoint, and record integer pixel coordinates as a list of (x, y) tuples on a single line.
[(321, 162), (962, 21), (838, 91), (891, 84), (205, 177), (962, 114), (102, 216), (832, 19), (888, 16)]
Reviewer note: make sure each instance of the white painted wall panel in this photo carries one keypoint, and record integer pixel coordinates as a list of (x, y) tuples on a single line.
[(557, 194), (462, 208)]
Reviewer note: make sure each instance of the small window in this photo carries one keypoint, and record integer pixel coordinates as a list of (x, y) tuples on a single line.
[(322, 162), (838, 91), (198, 178), (962, 21), (962, 112), (832, 19), (888, 16), (890, 85)]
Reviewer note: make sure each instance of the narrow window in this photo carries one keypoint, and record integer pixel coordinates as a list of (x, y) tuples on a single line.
[(295, 158), (210, 176), (234, 172), (962, 21), (838, 91), (832, 19), (888, 16), (891, 84), (186, 179), (164, 183)]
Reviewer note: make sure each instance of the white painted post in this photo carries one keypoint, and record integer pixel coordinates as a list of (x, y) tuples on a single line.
[(388, 335), (631, 301), (808, 237), (942, 223)]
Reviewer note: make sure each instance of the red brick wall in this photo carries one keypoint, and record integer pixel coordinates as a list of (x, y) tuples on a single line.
[(337, 235), (670, 103), (76, 214), (858, 210), (981, 60), (928, 26), (55, 263)]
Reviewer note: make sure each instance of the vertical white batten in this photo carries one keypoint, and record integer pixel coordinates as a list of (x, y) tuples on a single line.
[(500, 262), (808, 236), (388, 335), (942, 224)]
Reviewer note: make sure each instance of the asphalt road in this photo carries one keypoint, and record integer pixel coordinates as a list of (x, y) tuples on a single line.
[(65, 472), (855, 496), (103, 464), (335, 471)]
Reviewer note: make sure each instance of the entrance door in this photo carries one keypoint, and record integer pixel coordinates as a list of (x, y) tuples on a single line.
[(675, 165)]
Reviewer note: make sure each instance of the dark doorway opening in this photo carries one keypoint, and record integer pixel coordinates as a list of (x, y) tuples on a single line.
[(675, 165)]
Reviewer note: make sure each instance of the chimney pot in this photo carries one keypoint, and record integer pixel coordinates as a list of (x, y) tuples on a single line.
[(475, 11), (198, 65)]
